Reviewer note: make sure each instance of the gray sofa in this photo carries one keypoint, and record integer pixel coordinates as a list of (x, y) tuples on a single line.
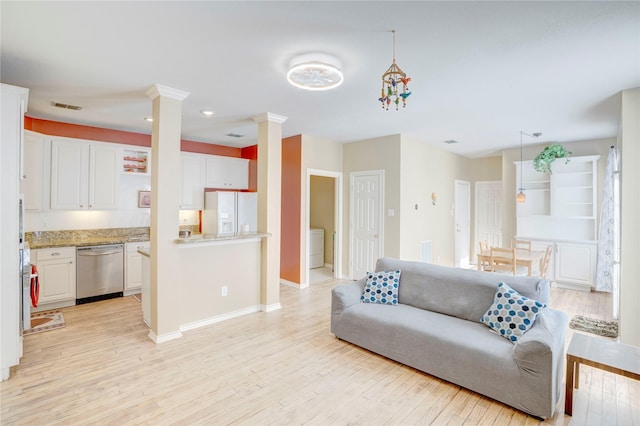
[(436, 328)]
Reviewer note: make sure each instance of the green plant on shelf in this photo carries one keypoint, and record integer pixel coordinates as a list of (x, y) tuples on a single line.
[(542, 163)]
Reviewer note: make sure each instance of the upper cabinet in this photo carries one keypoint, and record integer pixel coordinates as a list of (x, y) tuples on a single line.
[(227, 172), (561, 204), (192, 183), (32, 183), (84, 175)]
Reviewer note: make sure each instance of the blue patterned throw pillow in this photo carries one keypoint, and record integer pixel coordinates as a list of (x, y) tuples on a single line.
[(511, 313), (381, 287)]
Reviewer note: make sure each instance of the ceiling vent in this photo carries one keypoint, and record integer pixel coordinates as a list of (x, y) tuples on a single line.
[(451, 141), (66, 106), (234, 135)]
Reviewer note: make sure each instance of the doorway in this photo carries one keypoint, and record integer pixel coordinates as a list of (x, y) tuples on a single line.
[(488, 213), (462, 215), (366, 239), (323, 226)]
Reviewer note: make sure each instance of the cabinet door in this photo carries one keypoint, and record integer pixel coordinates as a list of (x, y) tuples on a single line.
[(133, 273), (238, 173), (57, 274), (103, 176), (217, 172), (69, 169), (193, 175), (576, 263), (32, 183)]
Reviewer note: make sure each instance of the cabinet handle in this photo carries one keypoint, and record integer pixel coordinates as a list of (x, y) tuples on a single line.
[(71, 262), (90, 205), (55, 254), (24, 176), (81, 206)]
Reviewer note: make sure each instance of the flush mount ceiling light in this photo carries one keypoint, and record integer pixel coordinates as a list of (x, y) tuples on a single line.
[(394, 83), (207, 112), (149, 119), (314, 72)]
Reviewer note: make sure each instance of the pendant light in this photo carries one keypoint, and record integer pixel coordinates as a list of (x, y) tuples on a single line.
[(395, 83), (521, 197)]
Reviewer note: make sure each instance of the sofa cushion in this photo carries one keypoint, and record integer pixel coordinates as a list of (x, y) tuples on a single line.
[(381, 287), (511, 314)]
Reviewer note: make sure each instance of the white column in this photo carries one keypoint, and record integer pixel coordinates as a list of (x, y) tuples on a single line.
[(269, 195), (165, 275)]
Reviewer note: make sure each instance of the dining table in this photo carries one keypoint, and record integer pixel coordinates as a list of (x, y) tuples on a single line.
[(524, 257)]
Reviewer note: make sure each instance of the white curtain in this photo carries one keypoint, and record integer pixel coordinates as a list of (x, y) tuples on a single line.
[(608, 237)]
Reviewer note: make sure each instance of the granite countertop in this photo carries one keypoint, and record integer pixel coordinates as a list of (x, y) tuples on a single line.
[(83, 238), (209, 238)]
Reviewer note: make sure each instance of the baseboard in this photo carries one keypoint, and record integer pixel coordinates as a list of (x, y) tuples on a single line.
[(219, 318), (294, 285), (133, 291), (571, 286), (165, 337), (270, 308), (328, 265)]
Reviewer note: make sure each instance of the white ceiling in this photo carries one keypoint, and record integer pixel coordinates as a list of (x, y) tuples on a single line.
[(482, 71)]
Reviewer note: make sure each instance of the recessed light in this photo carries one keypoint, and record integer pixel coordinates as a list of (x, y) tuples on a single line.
[(148, 119), (207, 112)]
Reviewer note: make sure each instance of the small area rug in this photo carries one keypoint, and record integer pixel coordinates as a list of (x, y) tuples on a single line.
[(138, 297), (45, 321), (595, 326)]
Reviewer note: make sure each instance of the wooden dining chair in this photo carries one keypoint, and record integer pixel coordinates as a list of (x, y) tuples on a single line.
[(521, 244), (484, 247), (545, 262), (503, 260)]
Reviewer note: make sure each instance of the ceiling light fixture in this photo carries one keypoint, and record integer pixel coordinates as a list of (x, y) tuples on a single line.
[(521, 198), (207, 112), (314, 72), (392, 78), (149, 119)]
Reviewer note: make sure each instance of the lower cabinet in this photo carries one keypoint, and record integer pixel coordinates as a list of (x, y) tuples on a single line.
[(57, 276), (576, 264), (133, 267)]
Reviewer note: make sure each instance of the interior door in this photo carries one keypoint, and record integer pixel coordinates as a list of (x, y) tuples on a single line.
[(366, 221), (462, 214), (488, 214)]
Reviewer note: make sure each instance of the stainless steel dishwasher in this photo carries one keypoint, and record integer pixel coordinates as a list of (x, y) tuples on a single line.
[(99, 272)]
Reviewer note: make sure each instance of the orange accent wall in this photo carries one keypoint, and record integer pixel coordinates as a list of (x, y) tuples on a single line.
[(290, 209), (251, 153), (69, 130)]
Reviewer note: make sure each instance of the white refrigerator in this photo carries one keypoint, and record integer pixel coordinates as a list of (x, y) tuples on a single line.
[(228, 212)]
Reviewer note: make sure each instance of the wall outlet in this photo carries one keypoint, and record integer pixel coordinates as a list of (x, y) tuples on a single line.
[(224, 291)]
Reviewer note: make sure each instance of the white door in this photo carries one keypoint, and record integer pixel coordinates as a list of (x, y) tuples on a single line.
[(366, 221), (462, 245), (488, 214)]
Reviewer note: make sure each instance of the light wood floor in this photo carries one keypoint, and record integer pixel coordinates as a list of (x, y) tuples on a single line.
[(283, 367)]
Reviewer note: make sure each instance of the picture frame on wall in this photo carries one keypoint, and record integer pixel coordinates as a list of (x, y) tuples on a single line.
[(144, 199)]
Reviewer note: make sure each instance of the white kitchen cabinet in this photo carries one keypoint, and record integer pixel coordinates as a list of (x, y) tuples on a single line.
[(84, 175), (576, 264), (57, 276), (133, 267), (193, 180), (32, 183), (227, 172)]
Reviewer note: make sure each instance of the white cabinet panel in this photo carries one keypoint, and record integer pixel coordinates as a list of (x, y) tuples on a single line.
[(133, 266), (83, 175), (69, 173), (227, 172), (57, 274), (576, 263), (32, 182), (193, 181), (103, 179)]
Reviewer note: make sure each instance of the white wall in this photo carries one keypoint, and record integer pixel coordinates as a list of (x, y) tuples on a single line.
[(629, 138)]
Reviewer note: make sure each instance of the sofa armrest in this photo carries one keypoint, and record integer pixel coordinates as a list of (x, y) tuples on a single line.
[(540, 354), (345, 295)]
